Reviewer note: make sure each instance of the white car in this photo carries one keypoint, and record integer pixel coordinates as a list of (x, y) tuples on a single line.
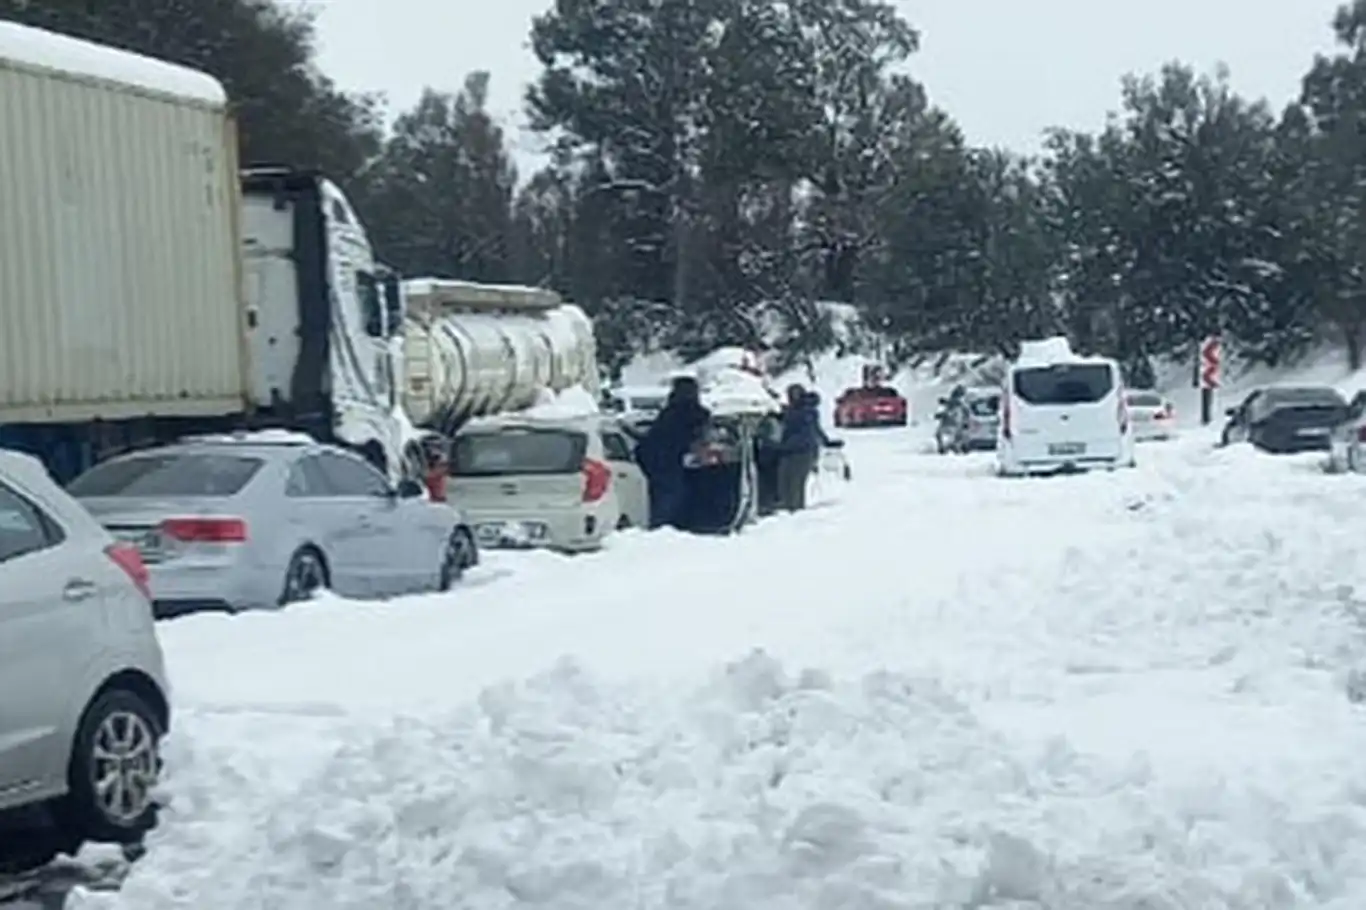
[(1153, 415), (559, 483), (83, 692), (1062, 412)]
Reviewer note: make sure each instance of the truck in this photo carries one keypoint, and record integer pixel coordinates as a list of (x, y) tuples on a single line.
[(152, 289), (471, 350)]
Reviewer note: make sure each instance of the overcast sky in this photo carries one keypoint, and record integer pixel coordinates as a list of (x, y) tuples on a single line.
[(1005, 69)]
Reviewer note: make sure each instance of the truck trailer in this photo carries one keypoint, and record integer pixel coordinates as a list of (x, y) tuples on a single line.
[(149, 289)]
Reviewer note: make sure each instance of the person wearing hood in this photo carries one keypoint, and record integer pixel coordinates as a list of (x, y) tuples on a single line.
[(676, 429), (800, 445)]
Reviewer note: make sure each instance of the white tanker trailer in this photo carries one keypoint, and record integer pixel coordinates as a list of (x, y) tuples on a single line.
[(472, 350)]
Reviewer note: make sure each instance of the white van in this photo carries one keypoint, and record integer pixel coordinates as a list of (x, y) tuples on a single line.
[(1062, 412)]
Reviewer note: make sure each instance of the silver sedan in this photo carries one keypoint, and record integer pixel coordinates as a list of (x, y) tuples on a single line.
[(232, 523)]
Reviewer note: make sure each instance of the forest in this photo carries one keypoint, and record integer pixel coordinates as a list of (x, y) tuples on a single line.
[(718, 169)]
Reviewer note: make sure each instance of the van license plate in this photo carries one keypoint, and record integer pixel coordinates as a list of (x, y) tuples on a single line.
[(1067, 448)]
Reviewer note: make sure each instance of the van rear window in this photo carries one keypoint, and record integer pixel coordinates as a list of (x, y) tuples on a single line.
[(518, 451), (1064, 383)]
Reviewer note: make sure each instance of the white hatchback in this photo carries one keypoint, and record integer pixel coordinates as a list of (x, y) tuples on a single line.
[(557, 483), (1153, 415), (83, 693)]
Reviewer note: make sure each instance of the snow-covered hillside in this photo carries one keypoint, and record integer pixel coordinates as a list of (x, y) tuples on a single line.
[(947, 690)]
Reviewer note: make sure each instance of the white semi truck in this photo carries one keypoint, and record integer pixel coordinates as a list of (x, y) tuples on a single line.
[(149, 289)]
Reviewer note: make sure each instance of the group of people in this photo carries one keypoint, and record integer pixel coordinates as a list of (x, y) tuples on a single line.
[(787, 451)]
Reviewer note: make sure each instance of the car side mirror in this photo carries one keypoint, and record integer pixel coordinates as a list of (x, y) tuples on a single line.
[(409, 489), (1230, 412)]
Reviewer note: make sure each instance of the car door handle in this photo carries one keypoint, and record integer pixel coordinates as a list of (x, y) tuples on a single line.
[(78, 589)]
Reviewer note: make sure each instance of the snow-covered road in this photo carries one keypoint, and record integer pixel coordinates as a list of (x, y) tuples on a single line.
[(1110, 691)]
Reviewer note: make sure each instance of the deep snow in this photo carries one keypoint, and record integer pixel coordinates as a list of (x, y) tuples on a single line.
[(1111, 691)]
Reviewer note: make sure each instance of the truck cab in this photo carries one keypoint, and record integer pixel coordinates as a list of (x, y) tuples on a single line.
[(324, 318)]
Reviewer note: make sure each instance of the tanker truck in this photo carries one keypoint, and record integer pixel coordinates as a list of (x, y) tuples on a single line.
[(472, 350), (149, 290)]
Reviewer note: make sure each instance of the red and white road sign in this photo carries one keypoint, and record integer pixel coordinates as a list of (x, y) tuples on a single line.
[(1211, 359)]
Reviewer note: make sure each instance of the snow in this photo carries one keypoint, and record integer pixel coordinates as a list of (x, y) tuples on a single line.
[(734, 391), (260, 437), (571, 403), (34, 47), (469, 295), (1101, 692)]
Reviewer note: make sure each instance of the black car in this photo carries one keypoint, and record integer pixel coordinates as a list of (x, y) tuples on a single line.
[(1286, 419)]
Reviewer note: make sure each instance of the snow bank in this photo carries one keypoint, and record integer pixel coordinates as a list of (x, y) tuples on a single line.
[(1100, 692), (26, 46)]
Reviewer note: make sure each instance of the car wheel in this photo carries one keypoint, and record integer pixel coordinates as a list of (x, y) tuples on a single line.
[(456, 558), (306, 576), (114, 767)]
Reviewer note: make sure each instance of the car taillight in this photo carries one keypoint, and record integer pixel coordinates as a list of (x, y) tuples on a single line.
[(1005, 417), (205, 530), (127, 558), (1122, 414), (597, 477)]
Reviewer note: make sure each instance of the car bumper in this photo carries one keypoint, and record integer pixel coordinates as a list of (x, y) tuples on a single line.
[(208, 587)]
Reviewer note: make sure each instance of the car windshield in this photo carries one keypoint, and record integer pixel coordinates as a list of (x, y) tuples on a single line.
[(1145, 399), (1064, 383), (985, 407), (172, 474), (518, 450)]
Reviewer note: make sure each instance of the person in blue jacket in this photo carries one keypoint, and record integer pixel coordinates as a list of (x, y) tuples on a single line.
[(678, 426), (800, 446)]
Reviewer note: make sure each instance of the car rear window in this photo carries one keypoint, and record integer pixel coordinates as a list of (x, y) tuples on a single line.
[(985, 407), (1064, 383), (518, 451), (168, 474), (651, 403), (1145, 400)]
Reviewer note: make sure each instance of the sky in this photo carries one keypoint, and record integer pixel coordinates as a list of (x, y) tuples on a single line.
[(1006, 70)]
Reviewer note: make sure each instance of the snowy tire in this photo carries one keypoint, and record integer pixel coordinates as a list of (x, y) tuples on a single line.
[(306, 575), (114, 767), (457, 556)]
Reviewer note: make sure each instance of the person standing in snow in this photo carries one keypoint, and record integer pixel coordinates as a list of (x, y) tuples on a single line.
[(676, 429), (800, 446)]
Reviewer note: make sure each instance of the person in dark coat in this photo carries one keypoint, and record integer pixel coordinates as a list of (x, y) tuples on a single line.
[(800, 445), (676, 429)]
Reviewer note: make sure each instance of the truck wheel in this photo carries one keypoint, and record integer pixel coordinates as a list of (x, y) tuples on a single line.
[(307, 575), (114, 766)]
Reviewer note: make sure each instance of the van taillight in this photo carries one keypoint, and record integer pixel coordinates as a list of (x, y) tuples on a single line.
[(127, 558), (597, 477), (1122, 414), (1005, 415), (205, 530)]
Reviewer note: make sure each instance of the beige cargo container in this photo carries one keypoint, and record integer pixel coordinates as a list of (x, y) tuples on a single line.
[(119, 256)]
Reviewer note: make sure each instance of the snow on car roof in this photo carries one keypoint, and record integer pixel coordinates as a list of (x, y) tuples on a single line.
[(38, 48), (734, 391)]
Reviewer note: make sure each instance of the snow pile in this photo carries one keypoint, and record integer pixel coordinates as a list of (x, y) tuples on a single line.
[(1101, 692), (569, 404), (34, 47), (738, 392), (1046, 351)]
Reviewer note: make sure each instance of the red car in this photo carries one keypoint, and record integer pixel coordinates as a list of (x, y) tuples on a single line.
[(871, 406)]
